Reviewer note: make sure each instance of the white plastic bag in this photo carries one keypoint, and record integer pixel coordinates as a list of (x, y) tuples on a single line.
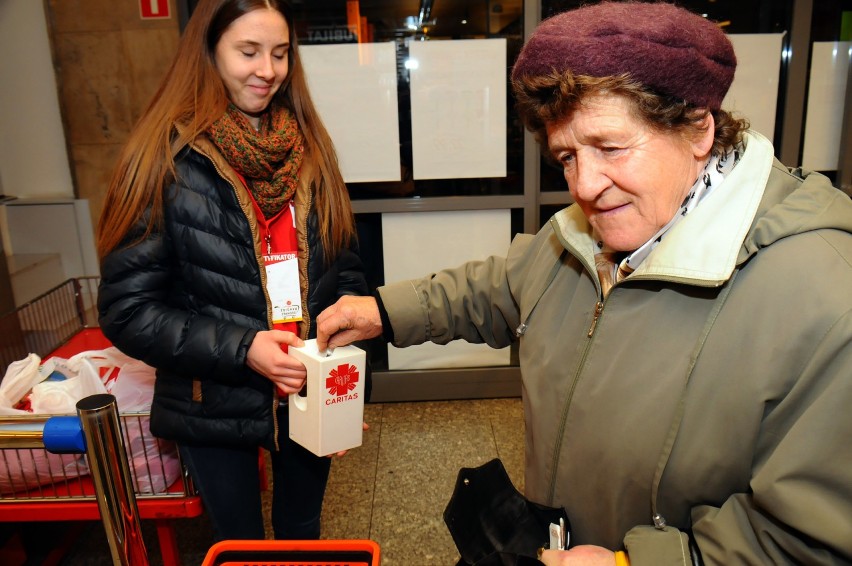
[(154, 463), (52, 397), (25, 469), (19, 379)]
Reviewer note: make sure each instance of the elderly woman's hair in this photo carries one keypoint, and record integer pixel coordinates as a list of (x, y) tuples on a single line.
[(548, 98)]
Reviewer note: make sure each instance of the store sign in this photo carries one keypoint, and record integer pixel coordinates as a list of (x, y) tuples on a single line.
[(331, 34), (154, 9)]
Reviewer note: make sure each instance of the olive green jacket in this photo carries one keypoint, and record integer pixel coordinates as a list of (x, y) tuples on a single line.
[(709, 394)]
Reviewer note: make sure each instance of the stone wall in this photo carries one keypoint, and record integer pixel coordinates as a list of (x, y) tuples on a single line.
[(108, 63)]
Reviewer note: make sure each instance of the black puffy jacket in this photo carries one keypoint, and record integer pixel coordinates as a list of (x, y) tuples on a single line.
[(189, 299)]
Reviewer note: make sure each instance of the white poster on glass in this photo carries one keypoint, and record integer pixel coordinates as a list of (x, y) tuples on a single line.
[(458, 108), (826, 101), (754, 92), (416, 244), (354, 89)]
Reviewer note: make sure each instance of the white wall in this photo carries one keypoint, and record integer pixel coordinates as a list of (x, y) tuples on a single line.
[(754, 92), (33, 155), (830, 62)]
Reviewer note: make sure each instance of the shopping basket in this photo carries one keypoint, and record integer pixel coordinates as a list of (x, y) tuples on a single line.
[(63, 322), (293, 553)]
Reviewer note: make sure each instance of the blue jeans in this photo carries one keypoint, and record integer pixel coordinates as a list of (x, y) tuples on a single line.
[(229, 484)]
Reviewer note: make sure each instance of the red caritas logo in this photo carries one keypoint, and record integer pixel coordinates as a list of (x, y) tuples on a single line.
[(340, 382)]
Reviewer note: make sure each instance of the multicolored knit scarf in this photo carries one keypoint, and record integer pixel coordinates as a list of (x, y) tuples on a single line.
[(269, 159)]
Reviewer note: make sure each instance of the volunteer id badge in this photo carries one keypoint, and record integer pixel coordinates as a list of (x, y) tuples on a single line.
[(282, 284)]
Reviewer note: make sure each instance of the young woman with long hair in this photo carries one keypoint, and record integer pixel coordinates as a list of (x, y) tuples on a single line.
[(226, 229)]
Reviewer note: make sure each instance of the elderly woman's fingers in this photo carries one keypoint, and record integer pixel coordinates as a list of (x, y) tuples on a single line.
[(348, 320)]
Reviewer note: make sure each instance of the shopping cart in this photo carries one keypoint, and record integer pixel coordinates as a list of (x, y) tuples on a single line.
[(61, 323)]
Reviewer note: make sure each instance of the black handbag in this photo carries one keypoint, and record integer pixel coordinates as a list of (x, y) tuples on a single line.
[(492, 523)]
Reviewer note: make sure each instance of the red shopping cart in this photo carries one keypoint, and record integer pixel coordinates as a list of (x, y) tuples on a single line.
[(61, 323)]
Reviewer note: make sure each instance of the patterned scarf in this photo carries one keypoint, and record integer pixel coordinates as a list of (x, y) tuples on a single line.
[(269, 159), (614, 266)]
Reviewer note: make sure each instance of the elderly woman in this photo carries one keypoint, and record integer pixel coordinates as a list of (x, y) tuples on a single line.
[(685, 328)]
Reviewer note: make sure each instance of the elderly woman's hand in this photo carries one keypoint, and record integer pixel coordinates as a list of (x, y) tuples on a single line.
[(583, 555), (350, 319)]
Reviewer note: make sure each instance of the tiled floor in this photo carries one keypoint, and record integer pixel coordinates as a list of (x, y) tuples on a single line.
[(393, 489)]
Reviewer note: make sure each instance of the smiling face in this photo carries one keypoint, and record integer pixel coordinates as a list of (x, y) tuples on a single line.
[(251, 57), (628, 179)]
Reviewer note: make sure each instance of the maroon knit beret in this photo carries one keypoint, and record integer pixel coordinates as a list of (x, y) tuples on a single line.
[(666, 48)]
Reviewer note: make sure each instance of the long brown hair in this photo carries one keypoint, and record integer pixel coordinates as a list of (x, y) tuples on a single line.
[(192, 94)]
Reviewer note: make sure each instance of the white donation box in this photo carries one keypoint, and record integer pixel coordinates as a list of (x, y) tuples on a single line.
[(330, 416)]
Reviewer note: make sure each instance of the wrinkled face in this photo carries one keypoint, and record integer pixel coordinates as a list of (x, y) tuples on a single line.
[(628, 179), (251, 57)]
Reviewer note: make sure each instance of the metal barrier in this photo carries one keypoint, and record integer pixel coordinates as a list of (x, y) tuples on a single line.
[(48, 321), (101, 432)]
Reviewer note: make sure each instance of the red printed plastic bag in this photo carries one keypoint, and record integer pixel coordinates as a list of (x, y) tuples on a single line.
[(154, 463)]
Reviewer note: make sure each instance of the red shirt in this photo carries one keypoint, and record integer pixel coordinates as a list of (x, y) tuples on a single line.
[(278, 236)]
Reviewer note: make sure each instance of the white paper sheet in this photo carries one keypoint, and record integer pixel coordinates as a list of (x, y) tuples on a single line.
[(826, 101), (754, 92), (354, 88), (458, 108), (418, 243)]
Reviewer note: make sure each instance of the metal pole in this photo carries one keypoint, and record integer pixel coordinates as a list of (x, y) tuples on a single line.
[(844, 162), (22, 432), (111, 477), (532, 152), (797, 72)]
